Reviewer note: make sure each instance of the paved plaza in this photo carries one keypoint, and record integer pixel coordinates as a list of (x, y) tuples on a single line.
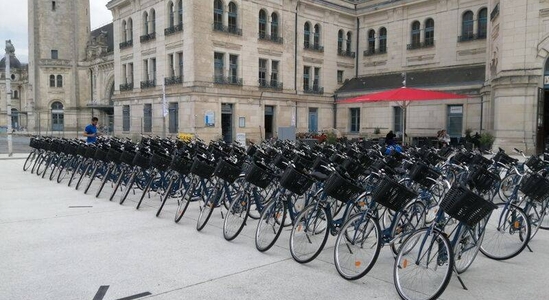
[(57, 243)]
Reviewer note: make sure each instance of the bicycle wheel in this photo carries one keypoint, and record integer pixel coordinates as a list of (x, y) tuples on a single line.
[(105, 179), (536, 212), (238, 213), (146, 188), (208, 206), (357, 246), (75, 172), (270, 224), (410, 219), (423, 266), (467, 245), (37, 162), (83, 174), (92, 177), (544, 224), (30, 160), (65, 169), (184, 201), (119, 181), (507, 232), (166, 194), (43, 164), (309, 233), (507, 186), (129, 186)]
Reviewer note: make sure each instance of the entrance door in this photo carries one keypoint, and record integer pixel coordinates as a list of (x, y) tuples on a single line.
[(269, 122), (397, 123), (14, 119), (542, 121), (313, 120), (455, 121), (57, 117), (227, 122)]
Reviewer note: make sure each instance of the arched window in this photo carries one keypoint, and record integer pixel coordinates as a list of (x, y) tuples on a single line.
[(14, 119), (124, 31), (130, 29), (307, 35), (153, 21), (371, 41), (316, 37), (262, 24), (16, 94), (382, 40), (467, 25), (171, 16), (180, 12), (145, 23), (218, 15), (57, 116), (274, 26), (482, 23), (233, 18), (59, 81), (340, 41), (52, 80), (429, 32), (416, 37), (349, 42)]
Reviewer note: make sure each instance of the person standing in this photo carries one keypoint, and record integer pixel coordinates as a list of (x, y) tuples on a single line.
[(443, 138), (91, 131), (390, 138)]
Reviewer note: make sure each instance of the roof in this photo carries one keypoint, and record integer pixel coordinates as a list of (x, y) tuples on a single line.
[(469, 75), (14, 62), (110, 35)]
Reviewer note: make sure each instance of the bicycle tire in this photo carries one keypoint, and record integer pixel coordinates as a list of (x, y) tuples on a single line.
[(426, 259), (353, 255), (207, 208), (467, 246), (309, 233), (183, 202), (507, 232), (82, 175), (129, 186), (105, 179), (265, 196), (409, 219), (30, 160), (92, 177), (65, 169), (146, 189), (536, 212), (36, 162), (74, 172), (237, 215), (507, 185), (43, 165), (166, 195), (118, 183), (270, 224), (545, 223)]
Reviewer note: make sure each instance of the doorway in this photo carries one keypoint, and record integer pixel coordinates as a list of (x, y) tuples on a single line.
[(542, 120), (269, 122), (313, 120), (227, 122), (454, 125)]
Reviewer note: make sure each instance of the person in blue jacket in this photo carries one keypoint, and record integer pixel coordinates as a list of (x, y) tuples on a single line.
[(91, 131)]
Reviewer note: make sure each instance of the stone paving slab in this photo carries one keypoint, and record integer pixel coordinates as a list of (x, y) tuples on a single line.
[(57, 243)]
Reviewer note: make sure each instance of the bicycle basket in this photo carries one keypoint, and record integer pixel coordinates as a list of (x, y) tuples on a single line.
[(142, 160), (100, 154), (341, 188), (423, 174), (445, 151), (482, 180), (505, 159), (57, 146), (280, 161), (534, 163), (480, 160), (202, 168), (432, 158), (181, 165), (259, 175), (392, 194), (81, 150), (466, 206), (353, 167), (114, 155), (90, 152), (161, 162), (319, 165), (535, 186), (34, 143), (227, 171), (303, 161), (337, 158), (127, 157), (295, 181), (462, 158)]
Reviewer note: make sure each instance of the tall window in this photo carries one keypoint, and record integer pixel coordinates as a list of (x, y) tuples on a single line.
[(371, 41), (262, 24), (274, 25), (130, 72), (340, 41), (153, 69), (147, 118), (173, 117), (262, 72), (171, 16), (316, 80), (54, 54), (130, 30), (124, 31), (171, 69), (482, 23), (339, 76), (349, 42), (233, 68), (467, 25), (306, 77), (429, 32), (233, 17), (180, 12), (180, 64), (126, 118), (153, 21), (146, 74), (416, 31), (52, 80), (355, 120), (382, 40), (316, 38), (307, 35), (59, 81), (57, 116), (274, 73), (218, 15), (145, 23), (218, 66)]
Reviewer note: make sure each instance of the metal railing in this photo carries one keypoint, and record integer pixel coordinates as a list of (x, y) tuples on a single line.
[(414, 46), (265, 84), (173, 80), (126, 87), (471, 37), (314, 47), (173, 29), (227, 29), (346, 53), (273, 38), (147, 37), (231, 80), (371, 52), (148, 84), (126, 44), (314, 90)]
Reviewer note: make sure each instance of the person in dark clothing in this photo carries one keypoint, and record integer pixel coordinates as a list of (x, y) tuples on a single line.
[(390, 138)]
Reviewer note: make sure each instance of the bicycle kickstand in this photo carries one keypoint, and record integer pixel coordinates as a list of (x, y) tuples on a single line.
[(460, 280), (529, 249)]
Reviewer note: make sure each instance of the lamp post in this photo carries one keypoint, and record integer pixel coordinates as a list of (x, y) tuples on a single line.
[(9, 46)]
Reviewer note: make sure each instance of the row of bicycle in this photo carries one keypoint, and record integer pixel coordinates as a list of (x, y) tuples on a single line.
[(434, 208)]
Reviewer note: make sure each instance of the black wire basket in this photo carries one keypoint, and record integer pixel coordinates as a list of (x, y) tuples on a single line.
[(81, 150), (227, 171), (127, 157), (445, 151), (142, 159), (432, 158), (202, 168), (182, 165), (480, 160), (101, 154), (534, 163), (341, 187), (90, 152), (303, 161), (57, 146), (160, 161), (462, 158), (423, 174), (353, 167), (392, 194), (482, 180), (466, 206), (35, 143), (114, 155), (295, 181), (320, 164), (535, 186), (259, 175), (503, 158), (280, 161)]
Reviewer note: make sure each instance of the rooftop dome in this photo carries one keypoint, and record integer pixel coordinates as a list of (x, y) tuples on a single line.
[(14, 63)]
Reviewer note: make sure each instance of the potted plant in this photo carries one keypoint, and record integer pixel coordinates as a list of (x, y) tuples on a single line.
[(486, 140)]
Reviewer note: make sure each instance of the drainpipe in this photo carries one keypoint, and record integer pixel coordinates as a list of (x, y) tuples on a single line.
[(335, 111), (295, 47), (357, 42)]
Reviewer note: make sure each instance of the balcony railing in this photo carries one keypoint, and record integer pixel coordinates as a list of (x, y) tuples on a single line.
[(371, 52), (314, 47), (413, 46), (148, 84), (471, 37), (173, 29), (273, 38), (227, 29), (265, 84), (173, 80), (126, 44), (231, 80), (314, 90), (346, 53), (126, 87), (147, 37)]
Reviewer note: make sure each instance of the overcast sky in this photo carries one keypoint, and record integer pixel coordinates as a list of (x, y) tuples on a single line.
[(14, 24)]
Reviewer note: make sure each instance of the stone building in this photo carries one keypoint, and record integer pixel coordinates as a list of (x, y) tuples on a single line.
[(19, 87)]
